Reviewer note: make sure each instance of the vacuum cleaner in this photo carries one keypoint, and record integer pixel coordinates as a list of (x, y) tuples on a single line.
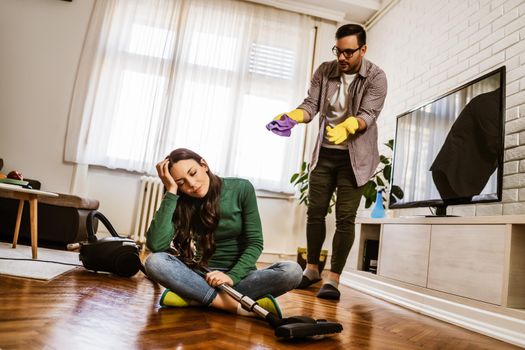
[(115, 254), (285, 328)]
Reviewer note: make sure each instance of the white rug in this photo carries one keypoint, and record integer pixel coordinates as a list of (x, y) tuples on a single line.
[(36, 269)]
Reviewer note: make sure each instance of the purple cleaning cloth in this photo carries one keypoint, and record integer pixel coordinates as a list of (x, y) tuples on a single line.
[(282, 126), (286, 133)]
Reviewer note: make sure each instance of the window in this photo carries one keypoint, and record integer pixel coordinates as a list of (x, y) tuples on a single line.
[(197, 74), (271, 61)]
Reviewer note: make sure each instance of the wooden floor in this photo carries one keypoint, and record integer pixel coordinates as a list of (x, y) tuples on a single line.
[(84, 310)]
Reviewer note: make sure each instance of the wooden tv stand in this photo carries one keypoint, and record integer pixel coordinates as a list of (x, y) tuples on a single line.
[(479, 258)]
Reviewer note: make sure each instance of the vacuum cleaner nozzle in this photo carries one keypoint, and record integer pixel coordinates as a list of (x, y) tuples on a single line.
[(302, 327), (308, 330)]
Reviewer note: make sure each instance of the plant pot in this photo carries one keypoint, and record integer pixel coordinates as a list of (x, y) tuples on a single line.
[(302, 258)]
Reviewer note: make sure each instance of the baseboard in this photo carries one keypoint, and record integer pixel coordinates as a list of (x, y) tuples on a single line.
[(496, 325), (271, 257)]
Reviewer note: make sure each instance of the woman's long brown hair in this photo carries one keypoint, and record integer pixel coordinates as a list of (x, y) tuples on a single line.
[(195, 218)]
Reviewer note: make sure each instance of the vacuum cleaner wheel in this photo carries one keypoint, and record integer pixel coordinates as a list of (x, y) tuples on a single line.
[(127, 264)]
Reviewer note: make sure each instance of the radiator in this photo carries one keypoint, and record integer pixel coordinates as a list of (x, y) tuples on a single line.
[(150, 196)]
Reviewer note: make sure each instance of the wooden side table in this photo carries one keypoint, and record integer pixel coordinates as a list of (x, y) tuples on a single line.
[(30, 195)]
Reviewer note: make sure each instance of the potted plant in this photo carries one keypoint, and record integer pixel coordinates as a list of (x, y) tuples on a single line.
[(379, 181)]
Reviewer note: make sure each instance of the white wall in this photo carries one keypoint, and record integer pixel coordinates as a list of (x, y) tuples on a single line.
[(429, 47), (40, 43)]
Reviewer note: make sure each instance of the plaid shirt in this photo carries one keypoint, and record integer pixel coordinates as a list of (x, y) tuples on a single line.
[(368, 91)]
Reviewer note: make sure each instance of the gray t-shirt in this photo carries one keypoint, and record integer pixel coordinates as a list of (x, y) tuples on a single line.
[(337, 111)]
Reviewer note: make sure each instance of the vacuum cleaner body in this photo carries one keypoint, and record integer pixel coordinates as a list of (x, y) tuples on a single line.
[(114, 254), (111, 254)]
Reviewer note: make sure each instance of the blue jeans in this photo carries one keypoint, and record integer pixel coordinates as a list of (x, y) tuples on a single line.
[(170, 272)]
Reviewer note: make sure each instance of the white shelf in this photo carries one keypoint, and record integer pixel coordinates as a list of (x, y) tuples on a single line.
[(482, 258)]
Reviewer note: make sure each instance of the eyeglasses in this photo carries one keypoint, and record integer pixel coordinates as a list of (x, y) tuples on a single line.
[(347, 53)]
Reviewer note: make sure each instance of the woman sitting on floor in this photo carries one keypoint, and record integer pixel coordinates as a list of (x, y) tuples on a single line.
[(205, 220)]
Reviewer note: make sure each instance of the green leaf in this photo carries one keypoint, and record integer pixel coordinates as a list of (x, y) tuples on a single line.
[(384, 159), (294, 177), (369, 193), (370, 196), (387, 171), (390, 144), (368, 203), (303, 179), (380, 181), (303, 167), (393, 199), (369, 188), (397, 191)]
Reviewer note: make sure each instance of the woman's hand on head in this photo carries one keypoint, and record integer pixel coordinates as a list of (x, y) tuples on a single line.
[(167, 180), (216, 278)]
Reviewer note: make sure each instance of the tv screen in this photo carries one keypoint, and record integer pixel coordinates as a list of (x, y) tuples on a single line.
[(450, 150)]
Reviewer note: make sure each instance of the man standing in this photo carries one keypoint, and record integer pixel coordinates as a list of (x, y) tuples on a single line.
[(348, 93)]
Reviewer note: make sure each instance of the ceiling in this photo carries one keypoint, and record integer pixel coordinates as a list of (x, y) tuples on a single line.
[(349, 11), (356, 11)]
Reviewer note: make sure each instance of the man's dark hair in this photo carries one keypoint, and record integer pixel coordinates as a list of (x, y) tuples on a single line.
[(352, 29)]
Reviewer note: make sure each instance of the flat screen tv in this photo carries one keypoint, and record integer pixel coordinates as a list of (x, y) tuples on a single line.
[(450, 151)]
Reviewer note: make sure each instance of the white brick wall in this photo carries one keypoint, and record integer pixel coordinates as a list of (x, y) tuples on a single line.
[(428, 47)]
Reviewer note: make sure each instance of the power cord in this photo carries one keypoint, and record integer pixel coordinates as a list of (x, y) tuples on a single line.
[(46, 261)]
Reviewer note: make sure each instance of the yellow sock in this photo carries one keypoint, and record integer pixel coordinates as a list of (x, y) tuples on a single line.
[(169, 298), (269, 303)]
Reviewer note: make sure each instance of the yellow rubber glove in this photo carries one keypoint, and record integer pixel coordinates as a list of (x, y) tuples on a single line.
[(296, 114), (340, 132)]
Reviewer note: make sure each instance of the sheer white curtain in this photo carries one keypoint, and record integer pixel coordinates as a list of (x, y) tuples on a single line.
[(206, 75)]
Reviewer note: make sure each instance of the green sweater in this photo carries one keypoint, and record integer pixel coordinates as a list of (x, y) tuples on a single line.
[(238, 238)]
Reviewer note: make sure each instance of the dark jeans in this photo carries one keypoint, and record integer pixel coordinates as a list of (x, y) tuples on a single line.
[(333, 172)]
